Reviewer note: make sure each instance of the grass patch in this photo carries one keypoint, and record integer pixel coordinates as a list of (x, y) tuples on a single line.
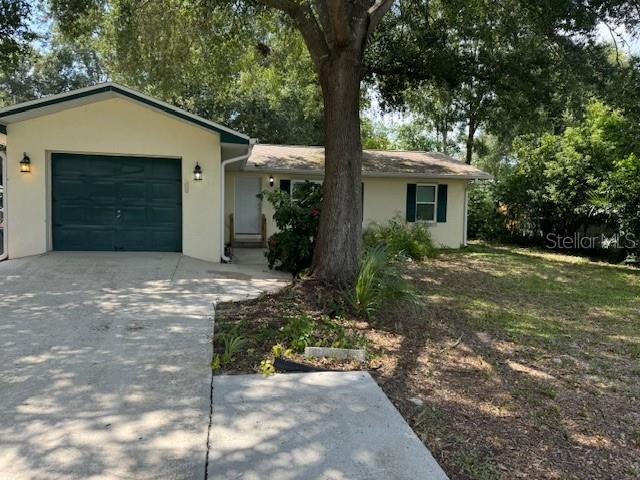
[(525, 361)]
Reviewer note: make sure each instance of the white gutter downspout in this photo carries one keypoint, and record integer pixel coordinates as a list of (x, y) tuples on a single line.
[(3, 225), (465, 227), (223, 163)]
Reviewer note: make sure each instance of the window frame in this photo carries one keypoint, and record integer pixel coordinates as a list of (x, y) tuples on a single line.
[(298, 181), (434, 203)]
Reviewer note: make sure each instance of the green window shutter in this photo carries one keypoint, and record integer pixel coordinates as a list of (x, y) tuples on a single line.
[(411, 202), (285, 185), (442, 203)]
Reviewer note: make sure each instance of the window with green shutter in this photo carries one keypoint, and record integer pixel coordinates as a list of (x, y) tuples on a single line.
[(426, 203)]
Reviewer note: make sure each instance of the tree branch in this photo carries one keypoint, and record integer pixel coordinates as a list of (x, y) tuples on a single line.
[(325, 23), (306, 21), (376, 12), (339, 16), (287, 6)]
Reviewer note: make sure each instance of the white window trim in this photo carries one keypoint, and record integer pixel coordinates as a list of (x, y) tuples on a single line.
[(435, 202)]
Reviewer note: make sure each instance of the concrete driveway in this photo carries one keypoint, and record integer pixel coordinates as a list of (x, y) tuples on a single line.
[(104, 362)]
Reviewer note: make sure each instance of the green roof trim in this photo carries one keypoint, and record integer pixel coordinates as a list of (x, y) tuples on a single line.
[(225, 136)]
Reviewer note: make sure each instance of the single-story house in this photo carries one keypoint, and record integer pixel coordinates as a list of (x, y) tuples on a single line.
[(107, 168)]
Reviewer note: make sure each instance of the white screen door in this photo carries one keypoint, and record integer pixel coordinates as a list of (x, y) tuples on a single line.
[(247, 209)]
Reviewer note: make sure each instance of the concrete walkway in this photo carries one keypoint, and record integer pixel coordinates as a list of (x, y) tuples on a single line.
[(104, 362), (312, 426)]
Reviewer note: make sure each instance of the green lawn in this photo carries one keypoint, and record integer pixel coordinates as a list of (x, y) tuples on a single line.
[(518, 363), (545, 381)]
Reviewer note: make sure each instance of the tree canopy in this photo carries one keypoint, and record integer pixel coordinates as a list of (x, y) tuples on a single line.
[(497, 65), (15, 33)]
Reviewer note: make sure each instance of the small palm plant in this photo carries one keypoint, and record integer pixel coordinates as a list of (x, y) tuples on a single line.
[(379, 282)]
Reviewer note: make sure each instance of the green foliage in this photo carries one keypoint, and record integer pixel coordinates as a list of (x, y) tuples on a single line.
[(550, 189), (297, 217), (65, 65), (401, 239), (15, 31), (416, 135), (232, 344), (502, 67), (623, 195), (337, 336), (267, 368), (379, 282), (297, 331), (375, 135), (278, 350), (301, 331), (244, 67), (485, 219), (216, 362)]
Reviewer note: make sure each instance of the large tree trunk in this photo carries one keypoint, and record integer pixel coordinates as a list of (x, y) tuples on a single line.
[(335, 258), (444, 140), (470, 139)]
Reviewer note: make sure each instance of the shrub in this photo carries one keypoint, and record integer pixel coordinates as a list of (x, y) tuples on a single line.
[(297, 218), (486, 222), (624, 193), (378, 282), (400, 239)]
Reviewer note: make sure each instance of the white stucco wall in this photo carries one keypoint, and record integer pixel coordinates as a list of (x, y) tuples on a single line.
[(115, 126), (384, 199)]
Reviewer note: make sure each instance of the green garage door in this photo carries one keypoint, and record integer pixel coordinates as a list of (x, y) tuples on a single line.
[(112, 203)]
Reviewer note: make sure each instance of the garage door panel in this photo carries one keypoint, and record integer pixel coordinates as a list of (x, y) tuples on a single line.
[(69, 189), (69, 165), (134, 215), (133, 240), (77, 239), (162, 170), (98, 166), (166, 239), (133, 192), (71, 214), (116, 203), (103, 239), (103, 191), (101, 215), (135, 168), (165, 193), (165, 215)]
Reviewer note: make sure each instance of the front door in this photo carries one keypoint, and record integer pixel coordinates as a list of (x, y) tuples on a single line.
[(247, 208)]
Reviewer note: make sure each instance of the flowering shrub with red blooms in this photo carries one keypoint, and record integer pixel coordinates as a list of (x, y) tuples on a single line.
[(298, 219)]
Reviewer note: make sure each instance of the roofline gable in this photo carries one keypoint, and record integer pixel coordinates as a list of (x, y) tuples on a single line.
[(227, 135)]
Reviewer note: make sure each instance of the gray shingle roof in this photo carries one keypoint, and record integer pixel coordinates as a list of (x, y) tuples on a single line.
[(293, 158)]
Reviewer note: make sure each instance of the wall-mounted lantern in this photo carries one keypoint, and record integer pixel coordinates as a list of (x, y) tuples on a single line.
[(197, 172), (271, 180), (25, 164)]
